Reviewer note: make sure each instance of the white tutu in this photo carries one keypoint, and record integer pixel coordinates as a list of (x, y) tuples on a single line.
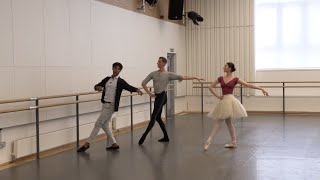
[(228, 107)]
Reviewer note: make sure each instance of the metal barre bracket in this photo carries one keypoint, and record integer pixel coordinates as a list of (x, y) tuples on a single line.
[(33, 107)]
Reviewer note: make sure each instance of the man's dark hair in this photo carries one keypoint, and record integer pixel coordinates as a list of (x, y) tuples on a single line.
[(163, 59), (117, 64)]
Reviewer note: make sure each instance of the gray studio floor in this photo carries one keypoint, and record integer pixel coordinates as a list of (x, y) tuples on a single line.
[(269, 147)]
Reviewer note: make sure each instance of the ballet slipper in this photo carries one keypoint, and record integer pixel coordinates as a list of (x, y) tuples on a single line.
[(207, 144), (231, 145)]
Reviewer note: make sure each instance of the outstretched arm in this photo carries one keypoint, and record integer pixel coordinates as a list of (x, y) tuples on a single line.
[(253, 87), (213, 84), (130, 88), (191, 78), (174, 76)]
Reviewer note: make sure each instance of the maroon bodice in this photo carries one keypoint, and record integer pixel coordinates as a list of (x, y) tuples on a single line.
[(227, 88)]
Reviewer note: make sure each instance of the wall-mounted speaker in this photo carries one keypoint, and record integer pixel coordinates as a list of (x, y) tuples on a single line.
[(151, 2), (175, 9)]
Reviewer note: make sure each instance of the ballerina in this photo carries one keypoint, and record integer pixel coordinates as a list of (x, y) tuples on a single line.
[(228, 108)]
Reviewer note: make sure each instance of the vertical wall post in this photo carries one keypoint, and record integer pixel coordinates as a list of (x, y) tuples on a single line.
[(131, 111), (241, 93), (77, 119), (37, 128), (283, 99), (150, 105)]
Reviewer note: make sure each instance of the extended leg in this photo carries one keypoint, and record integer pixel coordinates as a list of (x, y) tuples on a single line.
[(215, 130)]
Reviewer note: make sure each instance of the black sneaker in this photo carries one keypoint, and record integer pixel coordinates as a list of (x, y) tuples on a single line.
[(164, 140), (83, 148), (143, 137), (113, 147)]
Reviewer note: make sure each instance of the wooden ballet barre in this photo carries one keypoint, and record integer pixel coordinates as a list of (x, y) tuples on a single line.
[(61, 104), (264, 87), (66, 95), (51, 97), (16, 100), (202, 82), (55, 104), (302, 86), (301, 82), (207, 82), (14, 110), (241, 87)]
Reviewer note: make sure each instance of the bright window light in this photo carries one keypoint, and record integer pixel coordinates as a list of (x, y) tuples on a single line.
[(287, 34)]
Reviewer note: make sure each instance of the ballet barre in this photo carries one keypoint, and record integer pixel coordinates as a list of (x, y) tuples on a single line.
[(284, 85)]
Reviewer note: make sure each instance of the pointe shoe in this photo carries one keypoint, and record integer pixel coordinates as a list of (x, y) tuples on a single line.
[(206, 145), (231, 145)]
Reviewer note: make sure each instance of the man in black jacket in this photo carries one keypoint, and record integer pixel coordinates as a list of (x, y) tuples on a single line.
[(111, 88)]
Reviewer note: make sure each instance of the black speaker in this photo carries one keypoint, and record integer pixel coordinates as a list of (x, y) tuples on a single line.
[(151, 2), (175, 9)]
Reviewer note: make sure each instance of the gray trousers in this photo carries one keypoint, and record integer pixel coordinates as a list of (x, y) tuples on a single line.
[(103, 122)]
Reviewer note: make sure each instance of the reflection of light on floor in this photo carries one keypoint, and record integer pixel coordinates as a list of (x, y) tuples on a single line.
[(182, 113)]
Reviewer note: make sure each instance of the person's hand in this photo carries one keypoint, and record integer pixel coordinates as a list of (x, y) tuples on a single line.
[(99, 88), (152, 95), (220, 97), (265, 92), (200, 79), (139, 92)]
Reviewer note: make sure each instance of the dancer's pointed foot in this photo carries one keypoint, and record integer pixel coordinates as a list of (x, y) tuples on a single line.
[(231, 145), (165, 139), (206, 145), (143, 137)]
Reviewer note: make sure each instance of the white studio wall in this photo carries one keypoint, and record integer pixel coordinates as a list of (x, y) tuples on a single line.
[(52, 47)]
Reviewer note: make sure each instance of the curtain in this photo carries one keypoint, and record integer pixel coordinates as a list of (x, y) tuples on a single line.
[(225, 35)]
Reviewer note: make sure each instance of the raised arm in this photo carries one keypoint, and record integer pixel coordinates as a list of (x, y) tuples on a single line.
[(212, 85), (174, 76), (253, 87)]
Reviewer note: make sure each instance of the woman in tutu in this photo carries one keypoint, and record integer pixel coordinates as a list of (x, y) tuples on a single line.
[(228, 108)]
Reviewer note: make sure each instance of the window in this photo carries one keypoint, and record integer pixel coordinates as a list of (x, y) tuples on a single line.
[(287, 34)]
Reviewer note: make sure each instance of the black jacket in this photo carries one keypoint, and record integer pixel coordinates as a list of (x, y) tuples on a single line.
[(121, 84)]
